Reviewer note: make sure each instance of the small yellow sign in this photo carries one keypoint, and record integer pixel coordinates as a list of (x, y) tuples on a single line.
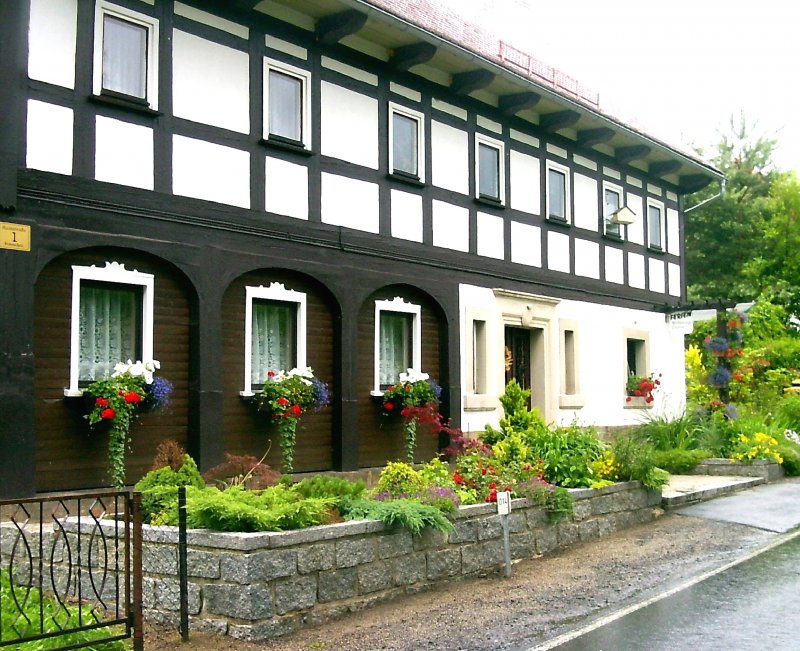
[(15, 236)]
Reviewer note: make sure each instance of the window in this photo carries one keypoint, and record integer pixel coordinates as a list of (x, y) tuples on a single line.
[(287, 112), (478, 357), (112, 321), (489, 169), (126, 55), (612, 202), (407, 143), (397, 341), (636, 357), (558, 201), (275, 333), (655, 225)]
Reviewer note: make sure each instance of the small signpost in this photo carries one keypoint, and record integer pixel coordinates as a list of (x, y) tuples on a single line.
[(504, 510)]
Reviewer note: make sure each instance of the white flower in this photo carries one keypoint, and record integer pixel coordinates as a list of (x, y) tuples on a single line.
[(411, 376), (145, 369)]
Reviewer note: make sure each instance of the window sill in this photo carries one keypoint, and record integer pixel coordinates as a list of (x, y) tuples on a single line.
[(637, 402), (406, 178), (571, 401), (296, 147), (558, 221), (246, 395), (376, 394), (121, 102), (656, 249), (480, 402), (73, 393), (488, 201), (614, 238)]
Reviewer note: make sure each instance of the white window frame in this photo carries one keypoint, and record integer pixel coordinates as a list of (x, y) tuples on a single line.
[(102, 9), (275, 292), (612, 187), (397, 304), (420, 120), (563, 169), (481, 139), (305, 80), (116, 273), (653, 203)]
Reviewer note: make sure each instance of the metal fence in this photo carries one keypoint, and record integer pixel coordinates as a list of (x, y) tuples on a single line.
[(71, 563)]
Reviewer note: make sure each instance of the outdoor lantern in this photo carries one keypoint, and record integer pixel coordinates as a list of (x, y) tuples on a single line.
[(623, 216)]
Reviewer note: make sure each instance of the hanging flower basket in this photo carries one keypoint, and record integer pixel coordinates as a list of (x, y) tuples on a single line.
[(719, 378), (413, 393)]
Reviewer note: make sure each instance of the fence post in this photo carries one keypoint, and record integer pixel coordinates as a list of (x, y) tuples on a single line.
[(183, 571), (138, 622)]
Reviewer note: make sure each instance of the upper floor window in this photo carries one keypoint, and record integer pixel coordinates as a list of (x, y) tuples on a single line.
[(655, 225), (275, 333), (612, 202), (406, 142), (287, 111), (489, 172), (558, 202), (397, 341), (112, 321), (126, 55)]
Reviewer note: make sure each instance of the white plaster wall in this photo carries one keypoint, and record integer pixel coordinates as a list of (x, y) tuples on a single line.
[(525, 183), (211, 83), (490, 236), (286, 188), (472, 298), (602, 358), (558, 252), (635, 231), (636, 270), (212, 172), (350, 203), (674, 272), (673, 232), (656, 282), (614, 265), (123, 153), (406, 214), (526, 244), (49, 138), (587, 258), (585, 210), (450, 226), (349, 125), (450, 151), (51, 41)]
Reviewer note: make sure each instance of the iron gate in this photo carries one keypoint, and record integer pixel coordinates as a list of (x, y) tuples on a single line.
[(71, 563)]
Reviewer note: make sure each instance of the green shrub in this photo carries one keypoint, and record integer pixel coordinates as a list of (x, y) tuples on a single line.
[(783, 353), (517, 417), (437, 473), (328, 486), (677, 461), (670, 433), (159, 489), (407, 513), (399, 479), (557, 501), (274, 509), (791, 459), (715, 434), (787, 412), (567, 452), (635, 460)]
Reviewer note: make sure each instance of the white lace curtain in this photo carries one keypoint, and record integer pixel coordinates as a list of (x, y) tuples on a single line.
[(395, 346), (273, 339), (124, 57), (108, 330)]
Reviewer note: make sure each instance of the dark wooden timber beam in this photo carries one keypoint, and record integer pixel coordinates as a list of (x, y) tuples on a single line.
[(626, 155), (245, 5), (592, 137), (466, 82), (516, 102), (333, 28), (552, 122), (665, 167), (689, 183), (408, 56)]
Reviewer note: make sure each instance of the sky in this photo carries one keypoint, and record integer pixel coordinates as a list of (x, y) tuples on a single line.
[(680, 69)]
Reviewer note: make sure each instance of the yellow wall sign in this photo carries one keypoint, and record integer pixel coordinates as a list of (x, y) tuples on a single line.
[(15, 236)]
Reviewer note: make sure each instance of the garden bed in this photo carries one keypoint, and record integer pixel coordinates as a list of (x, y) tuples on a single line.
[(767, 470), (256, 586)]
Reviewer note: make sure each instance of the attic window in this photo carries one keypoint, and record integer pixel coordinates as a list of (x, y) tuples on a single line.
[(489, 172)]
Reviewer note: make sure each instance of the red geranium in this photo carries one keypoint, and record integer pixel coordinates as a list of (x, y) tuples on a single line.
[(282, 401), (132, 397), (108, 414), (296, 410), (101, 402), (388, 406)]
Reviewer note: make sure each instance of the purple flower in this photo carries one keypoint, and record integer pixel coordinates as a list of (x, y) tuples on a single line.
[(322, 395), (158, 393), (717, 344), (720, 377), (437, 390)]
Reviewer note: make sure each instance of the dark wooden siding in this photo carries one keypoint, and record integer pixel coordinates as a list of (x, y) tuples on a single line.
[(248, 432), (69, 454), (381, 439)]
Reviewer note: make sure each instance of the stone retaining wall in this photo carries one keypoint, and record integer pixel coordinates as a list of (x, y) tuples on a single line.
[(767, 470), (260, 585)]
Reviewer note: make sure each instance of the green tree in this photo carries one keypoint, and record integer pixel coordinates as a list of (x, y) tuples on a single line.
[(726, 234)]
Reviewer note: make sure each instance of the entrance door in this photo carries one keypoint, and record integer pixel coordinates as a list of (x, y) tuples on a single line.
[(518, 356)]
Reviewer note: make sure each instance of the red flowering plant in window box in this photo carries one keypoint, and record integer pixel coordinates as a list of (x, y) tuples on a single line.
[(642, 386), (286, 396), (117, 400), (416, 398)]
